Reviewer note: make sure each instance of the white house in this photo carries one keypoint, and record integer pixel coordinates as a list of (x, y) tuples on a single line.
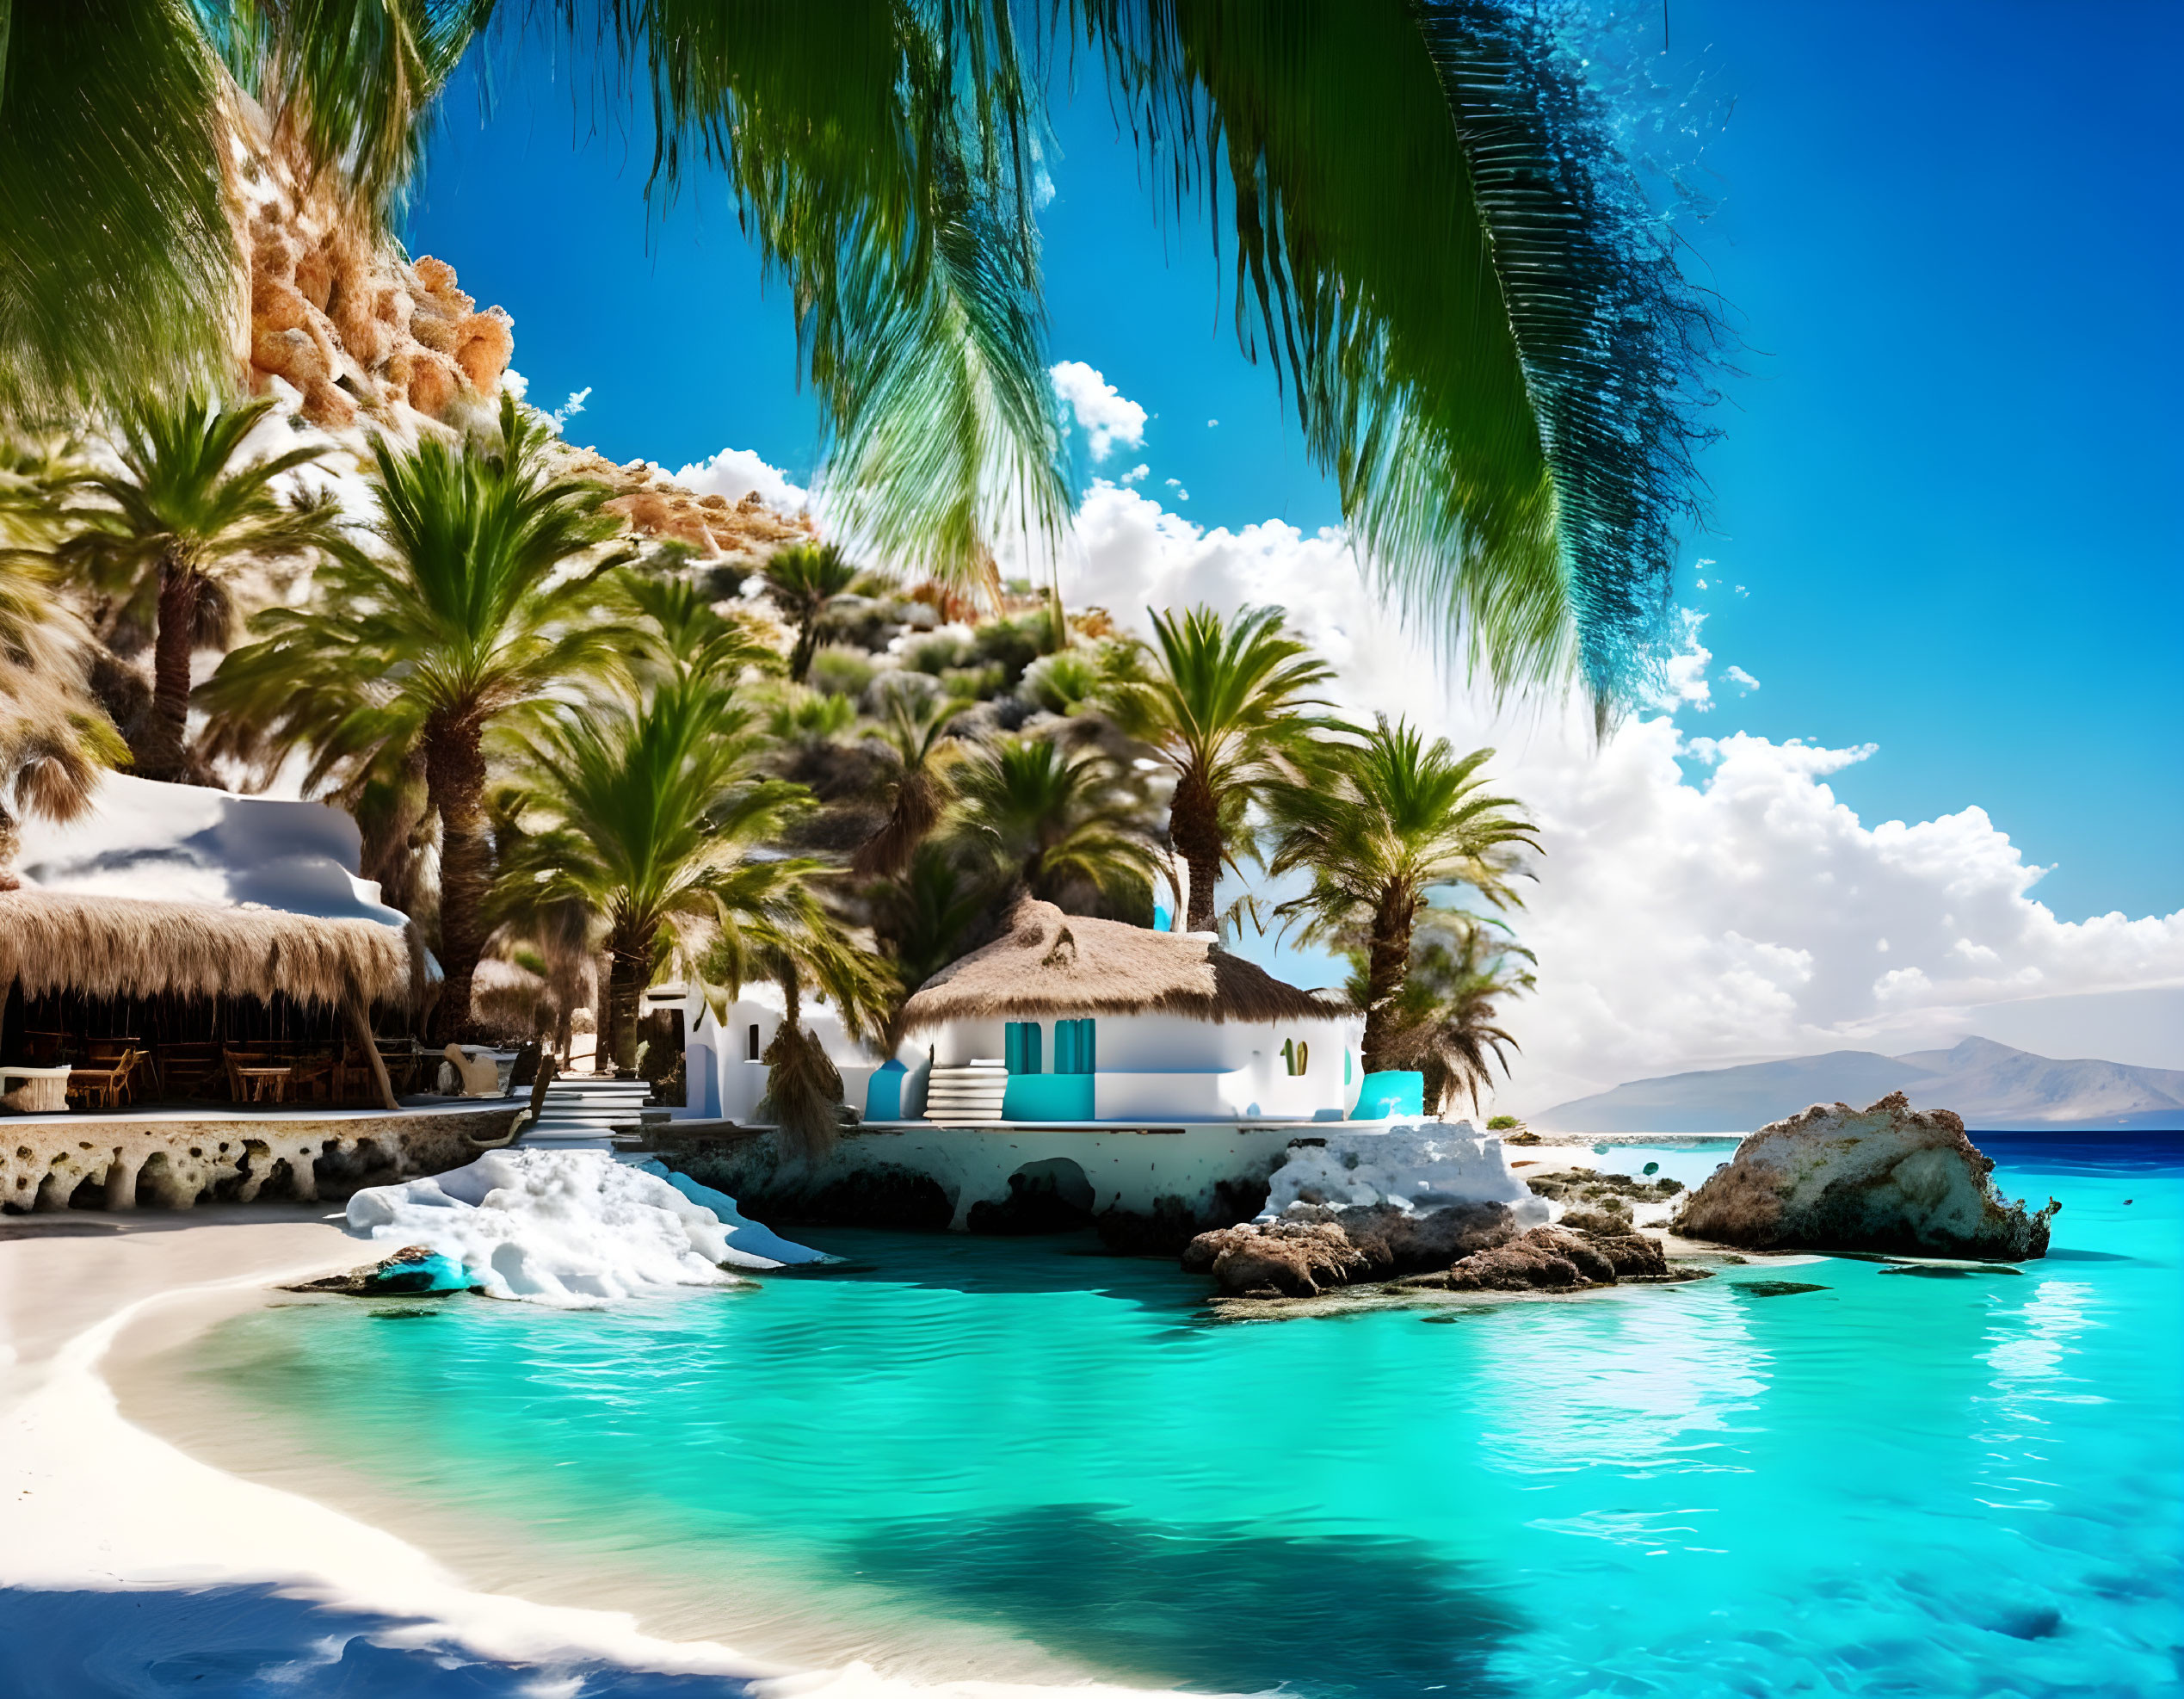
[(1073, 1019), (725, 1078)]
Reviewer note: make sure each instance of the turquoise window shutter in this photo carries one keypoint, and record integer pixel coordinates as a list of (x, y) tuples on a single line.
[(1074, 1047), (1021, 1046)]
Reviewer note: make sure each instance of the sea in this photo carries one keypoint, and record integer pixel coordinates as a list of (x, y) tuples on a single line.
[(952, 1457)]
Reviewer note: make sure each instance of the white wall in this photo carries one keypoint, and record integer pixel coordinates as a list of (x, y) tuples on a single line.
[(1167, 1065), (726, 1083)]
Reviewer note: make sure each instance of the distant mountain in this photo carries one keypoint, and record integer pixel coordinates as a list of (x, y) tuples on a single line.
[(1992, 1086)]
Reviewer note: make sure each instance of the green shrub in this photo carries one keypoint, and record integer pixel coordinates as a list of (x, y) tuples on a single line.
[(937, 653), (1013, 644), (1502, 1123), (840, 671), (1060, 682)]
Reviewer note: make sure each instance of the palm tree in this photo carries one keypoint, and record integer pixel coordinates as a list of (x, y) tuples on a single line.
[(1462, 966), (1051, 822), (651, 809), (804, 580), (1223, 706), (1380, 824), (468, 612), (919, 751), (1435, 232), (163, 532), (54, 740), (923, 917)]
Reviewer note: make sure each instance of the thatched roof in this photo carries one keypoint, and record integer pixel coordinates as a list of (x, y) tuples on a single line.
[(127, 946), (1049, 963)]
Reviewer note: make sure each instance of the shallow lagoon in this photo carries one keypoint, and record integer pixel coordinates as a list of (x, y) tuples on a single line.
[(1897, 1484)]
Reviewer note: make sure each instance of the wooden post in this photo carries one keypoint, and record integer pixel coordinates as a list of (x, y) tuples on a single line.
[(360, 1026)]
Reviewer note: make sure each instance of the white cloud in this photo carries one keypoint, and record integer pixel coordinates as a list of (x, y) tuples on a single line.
[(736, 472), (1210, 423), (1681, 922), (1110, 416), (1138, 473), (1742, 680)]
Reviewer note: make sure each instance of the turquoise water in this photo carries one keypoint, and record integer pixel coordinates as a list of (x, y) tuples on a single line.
[(1898, 1484)]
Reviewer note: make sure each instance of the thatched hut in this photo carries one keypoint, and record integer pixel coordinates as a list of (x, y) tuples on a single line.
[(1066, 1017), (183, 924)]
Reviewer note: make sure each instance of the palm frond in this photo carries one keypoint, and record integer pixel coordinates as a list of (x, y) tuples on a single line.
[(353, 83), (1490, 345), (882, 154), (119, 275)]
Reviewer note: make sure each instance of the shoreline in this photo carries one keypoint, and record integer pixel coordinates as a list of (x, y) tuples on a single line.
[(117, 1475), (98, 1496), (89, 1499)]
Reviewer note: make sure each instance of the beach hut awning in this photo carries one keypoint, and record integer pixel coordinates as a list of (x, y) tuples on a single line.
[(130, 947), (1048, 963)]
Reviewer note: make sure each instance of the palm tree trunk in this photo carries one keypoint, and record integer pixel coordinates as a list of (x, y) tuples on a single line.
[(630, 969), (166, 752), (1194, 829), (1387, 964), (807, 644), (455, 779)]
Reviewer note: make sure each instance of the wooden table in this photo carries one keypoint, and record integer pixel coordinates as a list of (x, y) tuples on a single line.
[(264, 1085)]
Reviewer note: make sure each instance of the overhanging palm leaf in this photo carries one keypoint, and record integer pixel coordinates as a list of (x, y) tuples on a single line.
[(1491, 350), (118, 273), (882, 153), (349, 83)]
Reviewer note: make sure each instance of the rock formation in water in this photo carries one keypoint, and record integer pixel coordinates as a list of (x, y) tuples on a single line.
[(1888, 1178), (1554, 1259)]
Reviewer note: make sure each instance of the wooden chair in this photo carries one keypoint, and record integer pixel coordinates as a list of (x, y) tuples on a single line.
[(104, 1087), (185, 1069), (310, 1077), (256, 1076), (107, 1053)]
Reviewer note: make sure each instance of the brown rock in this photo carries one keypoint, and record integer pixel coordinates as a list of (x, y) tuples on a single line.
[(485, 344), (1887, 1179), (433, 383), (1551, 1259), (1288, 1259), (1406, 1241)]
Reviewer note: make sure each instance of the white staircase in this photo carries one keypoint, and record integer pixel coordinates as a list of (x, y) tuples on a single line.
[(584, 1112), (971, 1092)]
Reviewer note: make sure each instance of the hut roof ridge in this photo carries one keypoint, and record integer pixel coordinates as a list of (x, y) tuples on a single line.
[(1047, 962)]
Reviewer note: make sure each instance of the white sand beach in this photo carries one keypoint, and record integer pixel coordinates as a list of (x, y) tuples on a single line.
[(89, 1499), (92, 1501)]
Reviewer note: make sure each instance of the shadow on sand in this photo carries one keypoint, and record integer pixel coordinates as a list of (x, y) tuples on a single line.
[(249, 1640)]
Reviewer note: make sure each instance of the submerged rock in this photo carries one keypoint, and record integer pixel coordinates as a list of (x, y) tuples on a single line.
[(414, 1268), (1313, 1248), (1888, 1178)]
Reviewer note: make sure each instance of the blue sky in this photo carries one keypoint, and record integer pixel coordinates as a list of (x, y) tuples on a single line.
[(1951, 233)]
